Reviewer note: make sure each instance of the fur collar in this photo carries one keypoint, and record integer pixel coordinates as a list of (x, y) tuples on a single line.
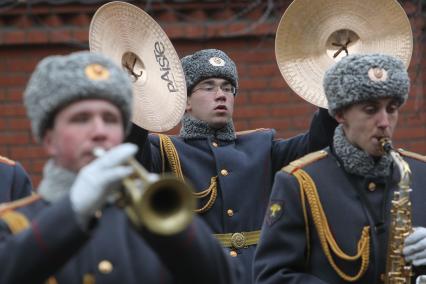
[(56, 182), (195, 128), (356, 161)]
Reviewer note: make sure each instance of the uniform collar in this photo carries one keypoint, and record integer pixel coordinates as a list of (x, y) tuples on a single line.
[(56, 182), (357, 161), (195, 128)]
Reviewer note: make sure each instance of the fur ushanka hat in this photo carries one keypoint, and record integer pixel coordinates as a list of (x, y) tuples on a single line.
[(208, 63), (362, 77), (60, 80)]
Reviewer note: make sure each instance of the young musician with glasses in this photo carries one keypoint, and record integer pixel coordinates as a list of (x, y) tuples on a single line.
[(231, 172), (72, 230)]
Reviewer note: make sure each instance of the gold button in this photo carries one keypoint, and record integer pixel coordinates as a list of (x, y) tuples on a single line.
[(214, 144), (233, 253), (88, 278), (230, 212), (98, 214), (224, 172), (371, 186), (105, 266)]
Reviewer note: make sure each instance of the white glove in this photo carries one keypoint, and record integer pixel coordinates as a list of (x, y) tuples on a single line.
[(421, 279), (415, 247), (96, 180)]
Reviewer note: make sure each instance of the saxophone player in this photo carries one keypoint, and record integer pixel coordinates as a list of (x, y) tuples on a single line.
[(71, 231), (329, 214)]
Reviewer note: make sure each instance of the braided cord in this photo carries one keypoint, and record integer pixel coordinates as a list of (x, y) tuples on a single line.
[(167, 147), (212, 190), (168, 150), (307, 232), (326, 238)]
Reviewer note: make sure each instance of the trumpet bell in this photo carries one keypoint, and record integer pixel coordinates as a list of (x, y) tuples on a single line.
[(164, 207), (163, 204)]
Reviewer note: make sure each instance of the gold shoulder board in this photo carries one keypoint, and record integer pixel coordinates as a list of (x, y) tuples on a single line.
[(250, 131), (412, 155), (15, 220), (7, 161), (7, 206), (305, 160)]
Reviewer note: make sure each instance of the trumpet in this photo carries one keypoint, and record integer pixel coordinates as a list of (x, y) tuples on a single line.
[(162, 204)]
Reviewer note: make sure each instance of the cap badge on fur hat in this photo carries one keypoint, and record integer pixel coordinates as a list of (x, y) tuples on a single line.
[(217, 61), (358, 78), (378, 74), (60, 80), (96, 72), (208, 63)]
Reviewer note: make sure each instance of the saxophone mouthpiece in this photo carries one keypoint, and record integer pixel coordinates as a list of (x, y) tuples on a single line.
[(386, 144)]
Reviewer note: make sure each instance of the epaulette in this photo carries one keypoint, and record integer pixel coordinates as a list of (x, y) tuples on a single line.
[(7, 206), (15, 220), (250, 131), (305, 160), (7, 161), (412, 155)]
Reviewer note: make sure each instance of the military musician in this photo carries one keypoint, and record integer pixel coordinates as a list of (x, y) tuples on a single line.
[(332, 212), (231, 171), (72, 230)]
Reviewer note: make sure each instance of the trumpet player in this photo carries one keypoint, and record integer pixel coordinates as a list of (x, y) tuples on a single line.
[(71, 231), (330, 216)]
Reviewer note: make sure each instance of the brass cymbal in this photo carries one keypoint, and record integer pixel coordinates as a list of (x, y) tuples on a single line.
[(132, 39), (313, 35)]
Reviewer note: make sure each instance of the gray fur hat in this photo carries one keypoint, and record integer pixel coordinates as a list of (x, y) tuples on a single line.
[(60, 80), (208, 63), (362, 77)]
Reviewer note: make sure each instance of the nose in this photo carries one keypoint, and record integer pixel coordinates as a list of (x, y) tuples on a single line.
[(383, 119), (99, 129), (220, 95)]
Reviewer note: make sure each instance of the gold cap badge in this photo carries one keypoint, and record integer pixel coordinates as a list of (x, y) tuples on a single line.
[(378, 74), (217, 61), (96, 72)]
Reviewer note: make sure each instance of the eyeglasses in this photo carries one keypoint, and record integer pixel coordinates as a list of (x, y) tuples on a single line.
[(213, 89)]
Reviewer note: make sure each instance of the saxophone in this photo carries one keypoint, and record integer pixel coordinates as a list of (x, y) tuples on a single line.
[(397, 270)]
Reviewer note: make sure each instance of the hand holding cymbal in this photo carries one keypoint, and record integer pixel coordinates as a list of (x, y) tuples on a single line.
[(312, 35), (132, 39)]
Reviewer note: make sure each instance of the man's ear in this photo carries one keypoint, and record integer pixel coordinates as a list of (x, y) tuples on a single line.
[(339, 116), (188, 104), (48, 143)]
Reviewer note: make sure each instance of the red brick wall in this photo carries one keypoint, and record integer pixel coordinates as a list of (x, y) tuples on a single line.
[(264, 99)]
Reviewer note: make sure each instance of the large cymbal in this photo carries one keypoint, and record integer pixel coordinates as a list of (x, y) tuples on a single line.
[(312, 35), (132, 39)]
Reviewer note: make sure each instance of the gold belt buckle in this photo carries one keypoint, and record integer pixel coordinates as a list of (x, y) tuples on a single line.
[(238, 240)]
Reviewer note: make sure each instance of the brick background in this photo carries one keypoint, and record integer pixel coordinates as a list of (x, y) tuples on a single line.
[(264, 99)]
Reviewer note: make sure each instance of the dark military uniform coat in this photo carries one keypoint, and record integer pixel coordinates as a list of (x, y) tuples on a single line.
[(245, 169), (54, 247), (288, 253), (14, 181)]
